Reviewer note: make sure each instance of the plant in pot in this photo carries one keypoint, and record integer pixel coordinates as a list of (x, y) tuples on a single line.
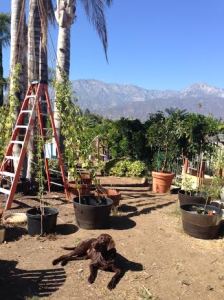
[(41, 220), (188, 195), (218, 167), (163, 133), (203, 220), (91, 211)]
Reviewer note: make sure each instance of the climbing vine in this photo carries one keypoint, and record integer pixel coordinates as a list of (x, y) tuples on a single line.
[(72, 125), (13, 99), (8, 112)]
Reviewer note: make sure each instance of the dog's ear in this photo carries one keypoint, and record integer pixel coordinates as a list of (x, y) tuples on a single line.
[(110, 245)]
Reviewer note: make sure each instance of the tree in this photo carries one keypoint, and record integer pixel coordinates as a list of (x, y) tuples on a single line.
[(4, 41), (39, 13), (65, 15)]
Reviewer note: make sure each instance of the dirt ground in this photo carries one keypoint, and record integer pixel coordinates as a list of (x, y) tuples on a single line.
[(162, 262)]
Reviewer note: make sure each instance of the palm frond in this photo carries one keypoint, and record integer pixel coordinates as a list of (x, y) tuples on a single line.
[(46, 11), (4, 29), (95, 11)]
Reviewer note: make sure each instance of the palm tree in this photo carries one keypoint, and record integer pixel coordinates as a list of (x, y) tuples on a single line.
[(4, 41), (39, 13), (65, 15)]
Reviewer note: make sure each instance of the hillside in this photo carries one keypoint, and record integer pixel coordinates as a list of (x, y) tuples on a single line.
[(116, 100)]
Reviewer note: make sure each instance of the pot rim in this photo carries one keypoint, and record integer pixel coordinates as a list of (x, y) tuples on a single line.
[(218, 210), (54, 211), (88, 205)]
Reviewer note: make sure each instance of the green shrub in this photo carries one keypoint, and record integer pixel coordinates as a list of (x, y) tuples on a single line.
[(128, 168)]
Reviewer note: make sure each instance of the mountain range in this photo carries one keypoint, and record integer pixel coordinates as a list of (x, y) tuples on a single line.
[(116, 100)]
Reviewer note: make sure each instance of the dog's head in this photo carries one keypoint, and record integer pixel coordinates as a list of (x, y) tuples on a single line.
[(104, 241)]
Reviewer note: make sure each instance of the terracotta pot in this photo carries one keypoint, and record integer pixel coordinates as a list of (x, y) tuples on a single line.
[(113, 194), (161, 182), (84, 189), (86, 178)]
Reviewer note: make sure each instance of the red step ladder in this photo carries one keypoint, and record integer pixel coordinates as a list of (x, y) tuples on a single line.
[(31, 107)]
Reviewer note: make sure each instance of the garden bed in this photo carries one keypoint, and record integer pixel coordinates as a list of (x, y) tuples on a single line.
[(122, 181)]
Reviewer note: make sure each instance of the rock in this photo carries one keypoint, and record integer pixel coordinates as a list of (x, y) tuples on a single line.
[(209, 288), (185, 282)]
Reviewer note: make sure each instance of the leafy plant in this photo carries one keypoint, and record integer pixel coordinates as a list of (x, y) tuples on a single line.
[(128, 168)]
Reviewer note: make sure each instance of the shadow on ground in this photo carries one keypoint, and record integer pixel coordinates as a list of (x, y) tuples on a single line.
[(14, 233), (126, 265), (66, 229), (20, 284)]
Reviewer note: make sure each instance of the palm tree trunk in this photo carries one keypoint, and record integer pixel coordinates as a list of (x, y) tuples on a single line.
[(18, 54), (34, 41), (34, 46), (1, 76), (63, 66), (65, 15)]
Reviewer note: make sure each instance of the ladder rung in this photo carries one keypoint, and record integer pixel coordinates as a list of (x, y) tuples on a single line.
[(11, 157), (4, 191), (35, 82), (55, 171), (17, 142), (22, 126), (55, 183), (8, 174), (26, 111), (31, 96)]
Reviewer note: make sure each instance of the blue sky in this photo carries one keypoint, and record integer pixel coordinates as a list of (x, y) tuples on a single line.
[(156, 44)]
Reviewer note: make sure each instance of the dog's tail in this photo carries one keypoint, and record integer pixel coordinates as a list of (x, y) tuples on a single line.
[(68, 248)]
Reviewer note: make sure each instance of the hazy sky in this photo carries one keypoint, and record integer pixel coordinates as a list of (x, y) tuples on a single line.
[(156, 44)]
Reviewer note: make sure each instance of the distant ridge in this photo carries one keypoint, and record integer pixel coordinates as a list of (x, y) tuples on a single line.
[(117, 100)]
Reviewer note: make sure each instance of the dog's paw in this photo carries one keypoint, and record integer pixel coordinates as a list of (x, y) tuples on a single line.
[(111, 285), (54, 262), (91, 279), (64, 262)]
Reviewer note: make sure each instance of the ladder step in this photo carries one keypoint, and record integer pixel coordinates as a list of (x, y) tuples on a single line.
[(35, 82), (4, 191), (11, 157), (30, 96), (22, 126), (26, 111), (8, 174), (17, 142), (55, 183), (55, 171)]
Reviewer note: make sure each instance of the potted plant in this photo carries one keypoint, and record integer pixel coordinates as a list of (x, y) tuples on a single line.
[(218, 166), (203, 220), (41, 220), (188, 195), (163, 133)]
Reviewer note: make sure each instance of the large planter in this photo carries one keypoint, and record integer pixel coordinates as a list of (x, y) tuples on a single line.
[(161, 181), (41, 224), (186, 197), (93, 212), (203, 226)]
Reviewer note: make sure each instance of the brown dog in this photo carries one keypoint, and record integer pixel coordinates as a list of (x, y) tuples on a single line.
[(101, 251)]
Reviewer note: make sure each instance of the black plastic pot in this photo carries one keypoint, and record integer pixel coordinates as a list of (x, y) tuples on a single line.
[(93, 211), (48, 222), (186, 197), (202, 226)]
